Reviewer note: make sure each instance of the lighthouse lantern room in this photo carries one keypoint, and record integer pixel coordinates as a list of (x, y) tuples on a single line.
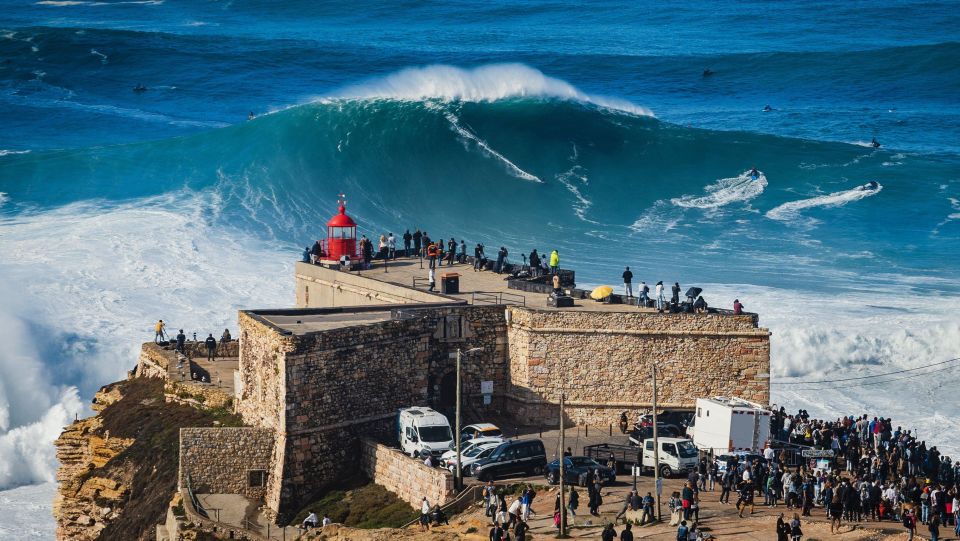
[(341, 235)]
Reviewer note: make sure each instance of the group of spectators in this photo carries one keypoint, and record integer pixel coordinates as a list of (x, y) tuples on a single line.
[(508, 517), (880, 472), (180, 340)]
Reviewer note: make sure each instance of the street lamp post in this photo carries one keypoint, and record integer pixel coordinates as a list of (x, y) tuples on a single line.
[(460, 354)]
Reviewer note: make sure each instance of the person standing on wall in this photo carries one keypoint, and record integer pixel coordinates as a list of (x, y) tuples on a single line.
[(463, 251), (534, 263), (391, 246), (660, 300), (417, 239), (554, 262), (628, 282), (675, 299), (181, 340), (158, 331), (211, 343), (432, 255), (644, 294)]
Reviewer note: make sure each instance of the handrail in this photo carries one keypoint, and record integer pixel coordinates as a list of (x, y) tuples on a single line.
[(468, 495), (513, 298), (419, 280), (484, 297)]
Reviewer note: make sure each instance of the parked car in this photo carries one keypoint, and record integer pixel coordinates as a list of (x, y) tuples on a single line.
[(512, 458), (575, 470), (479, 430), (465, 447), (676, 455), (470, 456), (675, 421), (639, 434), (739, 456)]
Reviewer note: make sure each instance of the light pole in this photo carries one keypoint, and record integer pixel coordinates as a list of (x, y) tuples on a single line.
[(656, 443), (460, 354)]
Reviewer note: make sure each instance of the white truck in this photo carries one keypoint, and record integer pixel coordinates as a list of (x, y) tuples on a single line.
[(421, 429), (677, 456), (724, 424)]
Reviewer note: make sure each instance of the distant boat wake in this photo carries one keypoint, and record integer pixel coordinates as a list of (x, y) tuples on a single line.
[(791, 210), (725, 191)]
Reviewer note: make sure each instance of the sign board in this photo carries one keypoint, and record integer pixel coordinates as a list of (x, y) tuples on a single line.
[(659, 486), (817, 453), (486, 400), (486, 387)]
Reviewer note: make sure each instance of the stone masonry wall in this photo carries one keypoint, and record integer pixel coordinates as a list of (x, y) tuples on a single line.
[(602, 362), (218, 459), (409, 479)]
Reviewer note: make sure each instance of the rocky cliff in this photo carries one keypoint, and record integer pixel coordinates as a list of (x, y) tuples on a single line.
[(118, 468)]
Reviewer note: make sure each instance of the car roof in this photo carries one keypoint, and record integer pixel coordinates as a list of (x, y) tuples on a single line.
[(482, 427), (492, 439)]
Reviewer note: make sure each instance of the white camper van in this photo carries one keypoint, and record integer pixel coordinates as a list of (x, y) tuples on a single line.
[(724, 424), (677, 456), (422, 429)]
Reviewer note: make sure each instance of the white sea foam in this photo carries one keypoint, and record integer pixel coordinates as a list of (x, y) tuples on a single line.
[(572, 179), (791, 210), (4, 198), (854, 333), (9, 152), (484, 83), (28, 512), (486, 149), (89, 281), (103, 57), (724, 192)]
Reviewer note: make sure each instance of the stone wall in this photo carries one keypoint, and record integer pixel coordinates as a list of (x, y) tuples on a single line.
[(602, 362), (409, 479), (320, 287), (218, 460)]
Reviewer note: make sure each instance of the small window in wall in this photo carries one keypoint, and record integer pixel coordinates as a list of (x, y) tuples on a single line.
[(256, 478)]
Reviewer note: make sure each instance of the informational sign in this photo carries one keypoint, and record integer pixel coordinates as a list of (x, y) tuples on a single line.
[(486, 400), (817, 453), (486, 387)]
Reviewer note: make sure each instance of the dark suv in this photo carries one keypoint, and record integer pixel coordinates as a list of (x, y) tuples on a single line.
[(512, 459)]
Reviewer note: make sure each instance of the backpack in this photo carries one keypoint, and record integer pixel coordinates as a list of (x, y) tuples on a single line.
[(907, 523)]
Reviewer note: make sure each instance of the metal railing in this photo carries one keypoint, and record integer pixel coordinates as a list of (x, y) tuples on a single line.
[(500, 297), (420, 282)]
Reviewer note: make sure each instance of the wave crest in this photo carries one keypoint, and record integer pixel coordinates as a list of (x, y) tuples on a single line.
[(489, 82)]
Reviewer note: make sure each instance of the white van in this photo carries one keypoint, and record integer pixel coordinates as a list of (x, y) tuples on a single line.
[(677, 455), (724, 424), (422, 429)]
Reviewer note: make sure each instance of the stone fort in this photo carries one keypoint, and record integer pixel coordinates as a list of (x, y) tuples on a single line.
[(316, 382)]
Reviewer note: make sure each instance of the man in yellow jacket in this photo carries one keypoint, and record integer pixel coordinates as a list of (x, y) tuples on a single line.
[(554, 261), (158, 331)]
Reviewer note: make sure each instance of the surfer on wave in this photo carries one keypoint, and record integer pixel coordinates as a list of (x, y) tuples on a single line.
[(872, 185), (754, 174), (874, 143)]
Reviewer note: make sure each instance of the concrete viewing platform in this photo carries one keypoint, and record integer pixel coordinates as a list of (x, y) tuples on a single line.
[(411, 286)]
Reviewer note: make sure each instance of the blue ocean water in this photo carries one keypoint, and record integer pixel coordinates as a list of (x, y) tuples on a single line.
[(590, 128)]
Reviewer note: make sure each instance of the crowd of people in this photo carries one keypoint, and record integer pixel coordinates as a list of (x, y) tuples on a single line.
[(508, 512)]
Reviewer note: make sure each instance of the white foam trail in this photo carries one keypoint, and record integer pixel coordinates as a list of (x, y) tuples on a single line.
[(510, 166), (103, 57), (484, 83), (570, 178), (791, 210), (10, 152), (725, 191)]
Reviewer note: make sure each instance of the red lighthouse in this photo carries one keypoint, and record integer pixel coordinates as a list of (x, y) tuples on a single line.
[(341, 235)]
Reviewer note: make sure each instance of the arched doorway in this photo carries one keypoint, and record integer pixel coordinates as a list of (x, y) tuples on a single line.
[(447, 392)]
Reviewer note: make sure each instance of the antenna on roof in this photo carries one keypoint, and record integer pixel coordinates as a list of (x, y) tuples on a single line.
[(342, 200)]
